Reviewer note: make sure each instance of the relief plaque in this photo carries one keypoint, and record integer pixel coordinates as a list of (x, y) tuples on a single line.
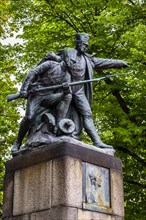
[(96, 188)]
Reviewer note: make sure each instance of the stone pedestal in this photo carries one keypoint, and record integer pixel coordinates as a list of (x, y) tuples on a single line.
[(63, 181)]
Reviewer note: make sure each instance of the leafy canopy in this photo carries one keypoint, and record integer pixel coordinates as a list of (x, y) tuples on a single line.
[(118, 30)]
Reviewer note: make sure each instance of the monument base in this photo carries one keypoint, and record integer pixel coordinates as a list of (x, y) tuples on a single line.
[(63, 181)]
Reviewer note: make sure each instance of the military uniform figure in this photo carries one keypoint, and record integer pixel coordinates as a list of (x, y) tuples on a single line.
[(81, 66), (48, 73)]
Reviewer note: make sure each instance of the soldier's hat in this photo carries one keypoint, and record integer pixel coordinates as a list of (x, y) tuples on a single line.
[(82, 37)]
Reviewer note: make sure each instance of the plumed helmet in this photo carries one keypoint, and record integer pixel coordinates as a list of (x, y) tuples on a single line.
[(82, 37)]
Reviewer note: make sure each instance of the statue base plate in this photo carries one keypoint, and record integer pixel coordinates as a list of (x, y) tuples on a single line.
[(58, 140)]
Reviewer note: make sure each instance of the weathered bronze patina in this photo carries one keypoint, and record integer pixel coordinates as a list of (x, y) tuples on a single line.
[(60, 87)]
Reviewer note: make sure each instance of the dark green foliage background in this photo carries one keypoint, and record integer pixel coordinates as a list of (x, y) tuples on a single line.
[(118, 30)]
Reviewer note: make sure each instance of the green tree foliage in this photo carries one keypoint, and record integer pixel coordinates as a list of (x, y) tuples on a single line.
[(8, 113), (118, 30)]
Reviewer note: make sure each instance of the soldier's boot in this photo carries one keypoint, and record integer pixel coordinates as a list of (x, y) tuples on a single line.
[(100, 144), (24, 127), (91, 131)]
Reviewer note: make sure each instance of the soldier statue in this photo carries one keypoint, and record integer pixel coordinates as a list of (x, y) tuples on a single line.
[(73, 99), (51, 72), (81, 66)]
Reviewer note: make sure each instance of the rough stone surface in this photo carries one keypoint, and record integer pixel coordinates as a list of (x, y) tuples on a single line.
[(19, 217), (52, 151), (58, 213), (84, 145), (117, 197), (67, 182), (46, 183), (88, 215), (32, 189), (8, 195)]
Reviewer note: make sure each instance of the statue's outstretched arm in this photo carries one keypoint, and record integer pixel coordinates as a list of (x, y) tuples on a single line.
[(101, 63)]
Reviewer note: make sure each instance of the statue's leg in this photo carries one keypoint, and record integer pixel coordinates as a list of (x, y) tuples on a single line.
[(75, 116), (62, 108), (24, 127), (33, 104), (52, 99), (84, 108)]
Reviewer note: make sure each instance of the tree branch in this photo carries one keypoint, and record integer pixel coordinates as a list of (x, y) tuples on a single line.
[(121, 101), (88, 6), (131, 2), (87, 20), (123, 105), (69, 23), (98, 12), (69, 17), (137, 184), (135, 156), (62, 17)]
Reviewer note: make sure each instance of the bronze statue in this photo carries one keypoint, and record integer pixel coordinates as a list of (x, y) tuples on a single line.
[(61, 86), (80, 66), (47, 73)]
